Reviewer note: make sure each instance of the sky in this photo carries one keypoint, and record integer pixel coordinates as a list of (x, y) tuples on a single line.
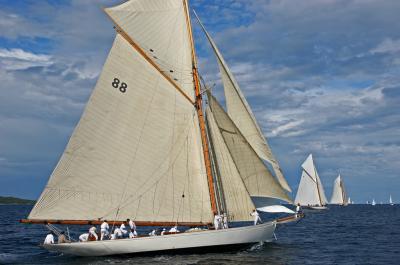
[(322, 77)]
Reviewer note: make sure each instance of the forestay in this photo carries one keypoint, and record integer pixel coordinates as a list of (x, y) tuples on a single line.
[(310, 191), (241, 114), (237, 199), (160, 28), (136, 152), (256, 176)]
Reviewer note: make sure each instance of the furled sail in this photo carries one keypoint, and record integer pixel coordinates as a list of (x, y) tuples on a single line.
[(136, 152), (160, 28), (240, 113), (339, 193), (310, 191), (237, 200), (256, 176)]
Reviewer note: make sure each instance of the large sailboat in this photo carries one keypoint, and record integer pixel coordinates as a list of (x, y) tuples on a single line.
[(146, 149), (310, 193), (339, 195)]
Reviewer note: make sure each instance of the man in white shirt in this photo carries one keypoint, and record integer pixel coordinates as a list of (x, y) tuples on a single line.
[(132, 224), (93, 234), (84, 237), (163, 231), (104, 230), (216, 221), (123, 229), (298, 210), (117, 234), (49, 238), (256, 217), (174, 229)]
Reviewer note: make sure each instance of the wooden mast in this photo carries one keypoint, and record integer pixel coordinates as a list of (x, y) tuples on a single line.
[(199, 107)]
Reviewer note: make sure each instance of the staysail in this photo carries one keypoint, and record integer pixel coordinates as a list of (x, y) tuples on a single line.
[(310, 191), (258, 180), (241, 114), (339, 193), (136, 152), (237, 199)]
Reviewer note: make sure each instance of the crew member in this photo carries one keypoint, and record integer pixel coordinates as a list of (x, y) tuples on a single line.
[(49, 238), (92, 234), (123, 230), (104, 230), (256, 217), (84, 237), (62, 238)]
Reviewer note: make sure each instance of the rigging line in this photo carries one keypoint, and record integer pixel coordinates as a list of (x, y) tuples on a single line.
[(147, 58)]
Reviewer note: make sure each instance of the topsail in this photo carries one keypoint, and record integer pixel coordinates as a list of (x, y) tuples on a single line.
[(240, 113)]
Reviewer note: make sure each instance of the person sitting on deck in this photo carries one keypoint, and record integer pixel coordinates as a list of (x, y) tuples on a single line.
[(217, 221), (163, 231), (256, 217), (49, 238), (92, 234), (123, 229), (117, 234), (225, 221), (174, 229), (133, 234), (84, 237), (62, 238), (153, 233), (104, 230)]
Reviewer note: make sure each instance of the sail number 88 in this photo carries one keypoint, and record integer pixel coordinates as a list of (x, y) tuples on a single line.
[(120, 85)]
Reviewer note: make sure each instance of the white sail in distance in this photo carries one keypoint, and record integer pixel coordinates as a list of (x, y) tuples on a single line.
[(257, 178), (310, 191), (339, 193), (241, 114), (237, 200), (135, 153)]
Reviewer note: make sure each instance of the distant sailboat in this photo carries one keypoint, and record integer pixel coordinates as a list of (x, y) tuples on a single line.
[(349, 201), (390, 200), (311, 192), (339, 195), (373, 202)]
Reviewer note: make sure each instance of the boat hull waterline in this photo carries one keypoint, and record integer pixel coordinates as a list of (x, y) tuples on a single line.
[(232, 236)]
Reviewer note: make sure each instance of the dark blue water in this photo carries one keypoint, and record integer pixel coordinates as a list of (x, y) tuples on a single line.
[(357, 234)]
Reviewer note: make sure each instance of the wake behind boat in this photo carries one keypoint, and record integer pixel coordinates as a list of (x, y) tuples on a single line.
[(145, 148)]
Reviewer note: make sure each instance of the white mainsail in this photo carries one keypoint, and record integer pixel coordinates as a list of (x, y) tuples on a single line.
[(237, 199), (256, 176), (136, 152), (310, 191), (241, 114), (390, 200), (339, 193)]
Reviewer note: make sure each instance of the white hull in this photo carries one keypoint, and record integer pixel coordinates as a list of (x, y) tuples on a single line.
[(232, 236)]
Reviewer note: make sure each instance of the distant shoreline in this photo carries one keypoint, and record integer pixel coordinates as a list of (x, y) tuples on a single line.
[(8, 200)]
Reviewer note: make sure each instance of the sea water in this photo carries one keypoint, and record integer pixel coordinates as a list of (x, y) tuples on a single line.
[(356, 234)]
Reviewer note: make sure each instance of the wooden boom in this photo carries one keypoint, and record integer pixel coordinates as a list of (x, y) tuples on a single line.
[(98, 222)]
